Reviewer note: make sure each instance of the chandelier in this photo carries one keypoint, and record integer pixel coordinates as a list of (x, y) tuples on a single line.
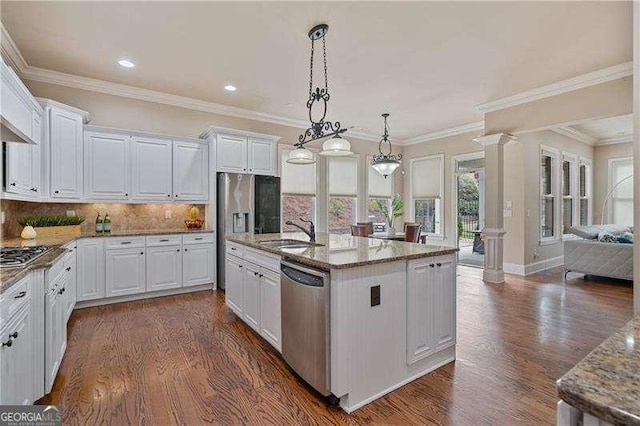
[(320, 129), (385, 164)]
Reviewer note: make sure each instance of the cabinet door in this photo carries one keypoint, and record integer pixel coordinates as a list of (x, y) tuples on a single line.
[(261, 157), (444, 303), (151, 169), (270, 320), (15, 363), (197, 264), (106, 166), (13, 95), (90, 269), (164, 267), (251, 309), (18, 168), (66, 153), (234, 281), (60, 318), (125, 271), (231, 154), (36, 157), (420, 279), (190, 171), (70, 292), (53, 332)]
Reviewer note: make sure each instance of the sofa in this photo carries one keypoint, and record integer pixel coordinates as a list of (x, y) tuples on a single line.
[(588, 255)]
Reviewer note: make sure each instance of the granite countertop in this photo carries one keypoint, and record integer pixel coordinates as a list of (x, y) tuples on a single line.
[(606, 383), (9, 276), (342, 251)]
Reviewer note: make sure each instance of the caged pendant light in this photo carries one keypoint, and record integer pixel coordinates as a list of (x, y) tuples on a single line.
[(385, 164)]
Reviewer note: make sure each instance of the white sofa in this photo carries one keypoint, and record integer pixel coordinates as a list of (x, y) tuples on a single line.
[(592, 257)]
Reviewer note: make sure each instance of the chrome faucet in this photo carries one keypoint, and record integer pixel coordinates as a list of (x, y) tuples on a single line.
[(311, 232)]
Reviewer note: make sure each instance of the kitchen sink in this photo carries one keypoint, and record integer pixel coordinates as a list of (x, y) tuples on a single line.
[(289, 243)]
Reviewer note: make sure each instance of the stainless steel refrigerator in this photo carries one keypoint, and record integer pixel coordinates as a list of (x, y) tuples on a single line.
[(246, 204)]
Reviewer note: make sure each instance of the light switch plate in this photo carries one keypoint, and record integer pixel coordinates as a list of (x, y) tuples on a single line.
[(167, 214), (71, 213)]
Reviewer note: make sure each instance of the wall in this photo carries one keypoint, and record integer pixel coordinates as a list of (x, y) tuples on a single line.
[(601, 157), (608, 99), (124, 217)]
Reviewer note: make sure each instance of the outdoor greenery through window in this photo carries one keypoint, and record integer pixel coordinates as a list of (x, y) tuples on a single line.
[(295, 207), (427, 213), (375, 212), (468, 205), (342, 214)]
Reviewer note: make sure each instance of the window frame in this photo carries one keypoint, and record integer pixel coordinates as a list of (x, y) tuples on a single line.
[(355, 197), (610, 184), (574, 191), (440, 219), (282, 151), (588, 189), (554, 154), (368, 196)]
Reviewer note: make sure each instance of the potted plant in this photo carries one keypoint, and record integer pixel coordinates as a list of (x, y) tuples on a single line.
[(48, 226), (397, 210)]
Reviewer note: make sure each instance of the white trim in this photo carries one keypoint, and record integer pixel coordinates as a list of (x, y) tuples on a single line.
[(119, 131), (580, 82), (615, 140), (227, 131), (556, 193), (10, 51), (495, 139), (532, 268), (572, 133), (454, 188), (44, 103), (452, 131), (142, 296)]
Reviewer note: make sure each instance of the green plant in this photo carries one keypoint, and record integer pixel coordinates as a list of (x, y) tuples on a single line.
[(397, 209), (54, 220)]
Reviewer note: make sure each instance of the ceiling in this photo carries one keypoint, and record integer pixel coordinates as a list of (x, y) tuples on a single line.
[(608, 128), (427, 63)]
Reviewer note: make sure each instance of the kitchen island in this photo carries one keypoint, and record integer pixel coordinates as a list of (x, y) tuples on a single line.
[(392, 305)]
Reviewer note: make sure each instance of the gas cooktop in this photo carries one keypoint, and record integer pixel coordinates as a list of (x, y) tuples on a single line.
[(20, 256)]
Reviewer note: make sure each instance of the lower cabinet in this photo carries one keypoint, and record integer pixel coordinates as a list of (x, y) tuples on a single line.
[(253, 293), (125, 271), (55, 327), (16, 368), (198, 264), (70, 267), (164, 267), (90, 269), (431, 316)]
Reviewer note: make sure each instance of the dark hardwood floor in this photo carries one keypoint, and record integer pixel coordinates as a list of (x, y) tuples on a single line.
[(187, 360)]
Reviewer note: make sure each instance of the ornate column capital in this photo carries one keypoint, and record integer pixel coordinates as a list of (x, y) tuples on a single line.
[(495, 139)]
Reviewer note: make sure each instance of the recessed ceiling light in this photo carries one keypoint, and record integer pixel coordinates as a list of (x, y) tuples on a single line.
[(230, 88), (126, 63)]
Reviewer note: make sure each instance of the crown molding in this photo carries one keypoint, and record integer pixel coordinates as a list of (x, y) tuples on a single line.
[(590, 79), (10, 52), (615, 140), (572, 133), (495, 139), (452, 131)]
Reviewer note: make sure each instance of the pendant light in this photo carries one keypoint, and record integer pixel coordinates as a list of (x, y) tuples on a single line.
[(320, 129), (385, 164)]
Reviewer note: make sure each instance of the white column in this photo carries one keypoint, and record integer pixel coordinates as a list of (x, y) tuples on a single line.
[(494, 205)]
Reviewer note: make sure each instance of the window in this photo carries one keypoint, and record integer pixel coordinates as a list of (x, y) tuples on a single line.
[(343, 193), (569, 191), (426, 193), (584, 192), (379, 191), (298, 187), (548, 160), (621, 189)]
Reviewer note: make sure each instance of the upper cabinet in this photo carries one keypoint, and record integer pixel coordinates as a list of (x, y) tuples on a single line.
[(190, 171), (63, 149), (151, 169), (106, 166), (17, 108), (243, 152)]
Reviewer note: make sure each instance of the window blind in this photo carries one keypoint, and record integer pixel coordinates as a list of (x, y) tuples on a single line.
[(425, 177), (379, 187), (343, 176), (297, 179)]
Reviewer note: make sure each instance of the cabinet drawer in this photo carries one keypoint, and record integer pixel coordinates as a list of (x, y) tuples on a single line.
[(266, 260), (124, 242), (15, 298), (234, 249), (56, 269), (197, 238), (164, 240)]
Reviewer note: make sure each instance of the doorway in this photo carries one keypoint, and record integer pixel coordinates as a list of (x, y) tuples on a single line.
[(469, 208)]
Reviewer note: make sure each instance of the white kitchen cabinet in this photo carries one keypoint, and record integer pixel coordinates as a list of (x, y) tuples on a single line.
[(164, 267), (55, 326), (234, 281), (430, 306), (198, 262), (65, 152), (16, 369), (125, 269), (190, 171), (151, 169), (91, 277), (106, 166), (70, 269), (231, 154), (23, 163), (36, 155), (270, 317), (251, 307), (262, 157), (16, 106)]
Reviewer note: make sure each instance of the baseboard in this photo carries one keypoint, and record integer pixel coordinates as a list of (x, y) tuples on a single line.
[(532, 268), (141, 296)]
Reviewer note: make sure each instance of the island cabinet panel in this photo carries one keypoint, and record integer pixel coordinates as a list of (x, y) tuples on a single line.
[(270, 315), (420, 282), (444, 319), (234, 280), (252, 278)]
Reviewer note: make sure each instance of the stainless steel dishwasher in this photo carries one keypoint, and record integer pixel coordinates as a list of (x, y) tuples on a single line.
[(305, 324)]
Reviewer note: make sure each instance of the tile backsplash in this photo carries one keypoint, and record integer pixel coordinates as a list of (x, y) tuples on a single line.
[(123, 216)]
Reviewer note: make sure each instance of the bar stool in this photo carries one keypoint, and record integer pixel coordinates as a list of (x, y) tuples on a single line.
[(369, 226), (359, 230), (412, 233)]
